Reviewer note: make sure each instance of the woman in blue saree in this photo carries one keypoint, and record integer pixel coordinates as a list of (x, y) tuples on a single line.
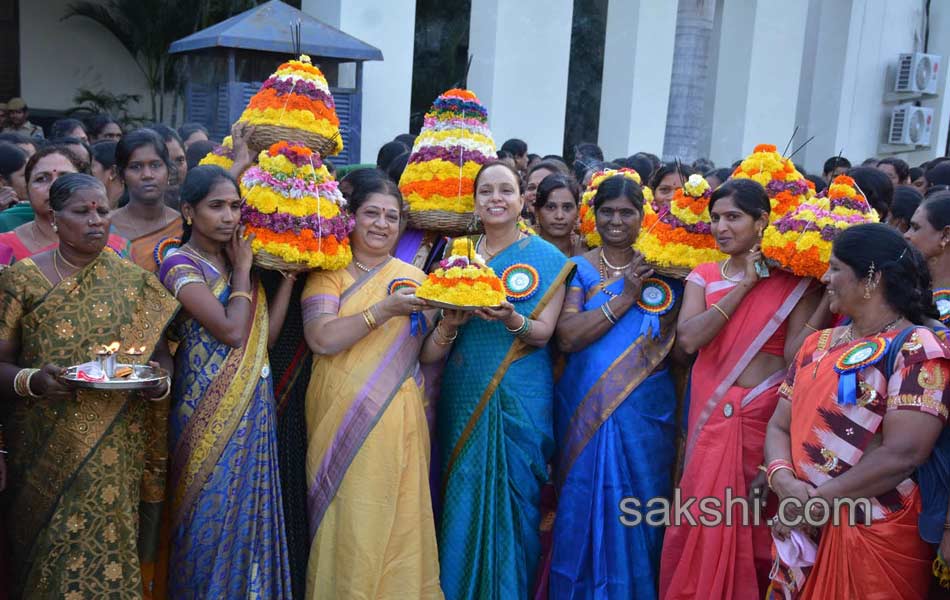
[(227, 524), (615, 408), (495, 420)]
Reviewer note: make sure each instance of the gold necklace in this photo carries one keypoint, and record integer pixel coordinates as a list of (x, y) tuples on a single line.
[(483, 242), (603, 258), (722, 271), (56, 254), (138, 229), (361, 266), (846, 338)]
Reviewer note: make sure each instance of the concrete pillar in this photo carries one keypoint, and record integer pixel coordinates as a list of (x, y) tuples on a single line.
[(387, 84), (520, 54), (638, 61), (758, 71)]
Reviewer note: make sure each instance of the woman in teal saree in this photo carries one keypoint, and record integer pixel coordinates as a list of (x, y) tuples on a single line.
[(495, 419)]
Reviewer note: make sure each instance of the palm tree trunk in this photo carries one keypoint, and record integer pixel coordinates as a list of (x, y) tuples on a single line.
[(685, 119)]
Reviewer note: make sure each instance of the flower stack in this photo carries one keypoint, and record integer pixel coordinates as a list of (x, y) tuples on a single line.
[(786, 187), (680, 239), (222, 156), (463, 279), (439, 180), (295, 211), (294, 104), (801, 240), (588, 221)]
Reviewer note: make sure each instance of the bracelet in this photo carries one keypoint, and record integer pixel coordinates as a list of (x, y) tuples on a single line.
[(29, 390), (370, 319), (768, 478), (21, 383), (448, 340), (608, 313), (721, 311), (523, 329), (810, 327), (240, 295), (168, 391)]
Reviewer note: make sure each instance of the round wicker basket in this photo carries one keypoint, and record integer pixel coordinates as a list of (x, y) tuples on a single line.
[(451, 223), (673, 272), (265, 136), (270, 262)]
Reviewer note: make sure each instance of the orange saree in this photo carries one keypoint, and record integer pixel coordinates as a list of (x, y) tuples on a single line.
[(724, 446), (887, 560)]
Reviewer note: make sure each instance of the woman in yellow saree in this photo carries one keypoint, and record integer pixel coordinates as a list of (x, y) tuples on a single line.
[(371, 525), (76, 458)]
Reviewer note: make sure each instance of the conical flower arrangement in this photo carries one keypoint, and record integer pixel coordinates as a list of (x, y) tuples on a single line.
[(786, 187), (222, 156), (588, 220), (464, 280), (801, 241), (439, 180), (295, 211), (294, 104), (680, 239)]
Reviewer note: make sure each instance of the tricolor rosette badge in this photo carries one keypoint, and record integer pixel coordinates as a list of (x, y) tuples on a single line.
[(453, 145), (801, 241), (297, 96), (682, 235), (295, 209), (588, 220), (786, 187)]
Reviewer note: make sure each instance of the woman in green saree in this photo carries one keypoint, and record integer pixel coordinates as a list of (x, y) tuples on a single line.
[(495, 413), (77, 458)]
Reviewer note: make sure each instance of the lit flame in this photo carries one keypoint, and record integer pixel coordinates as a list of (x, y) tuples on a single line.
[(110, 349)]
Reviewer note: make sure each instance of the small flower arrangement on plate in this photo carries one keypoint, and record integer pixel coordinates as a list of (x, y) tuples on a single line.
[(462, 280)]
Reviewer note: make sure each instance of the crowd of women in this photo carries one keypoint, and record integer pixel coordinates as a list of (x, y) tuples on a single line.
[(449, 453)]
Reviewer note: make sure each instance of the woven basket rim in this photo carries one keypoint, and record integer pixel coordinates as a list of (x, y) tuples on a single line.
[(266, 135)]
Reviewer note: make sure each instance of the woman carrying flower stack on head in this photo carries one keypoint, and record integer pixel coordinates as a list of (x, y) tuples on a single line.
[(39, 235), (78, 464), (860, 409), (744, 329), (615, 407), (151, 227), (227, 524), (371, 526), (495, 417)]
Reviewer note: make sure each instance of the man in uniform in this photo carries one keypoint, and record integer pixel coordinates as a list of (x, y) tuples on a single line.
[(16, 120)]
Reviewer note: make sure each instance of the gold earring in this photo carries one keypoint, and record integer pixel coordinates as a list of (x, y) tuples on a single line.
[(188, 221), (55, 228), (868, 284)]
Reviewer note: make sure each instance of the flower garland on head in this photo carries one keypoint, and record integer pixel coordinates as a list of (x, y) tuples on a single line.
[(587, 218), (786, 187), (451, 148), (801, 240), (295, 209), (222, 156), (296, 96), (682, 236)]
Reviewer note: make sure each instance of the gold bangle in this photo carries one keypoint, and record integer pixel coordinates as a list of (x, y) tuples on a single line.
[(26, 387), (768, 480), (447, 340), (19, 383), (810, 327), (721, 311), (370, 319), (240, 295)]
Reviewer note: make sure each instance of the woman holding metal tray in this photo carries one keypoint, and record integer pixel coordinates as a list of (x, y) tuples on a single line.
[(76, 456)]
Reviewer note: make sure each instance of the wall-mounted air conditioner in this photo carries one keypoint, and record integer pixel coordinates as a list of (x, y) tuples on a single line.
[(910, 125), (917, 73)]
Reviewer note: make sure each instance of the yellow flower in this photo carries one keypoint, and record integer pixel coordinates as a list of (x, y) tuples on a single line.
[(439, 169), (216, 159), (455, 204), (268, 201), (295, 119), (314, 260), (435, 138)]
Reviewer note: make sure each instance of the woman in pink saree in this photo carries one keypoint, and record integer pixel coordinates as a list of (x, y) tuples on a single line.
[(744, 328)]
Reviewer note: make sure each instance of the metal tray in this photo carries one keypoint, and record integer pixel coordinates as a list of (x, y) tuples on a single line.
[(143, 377)]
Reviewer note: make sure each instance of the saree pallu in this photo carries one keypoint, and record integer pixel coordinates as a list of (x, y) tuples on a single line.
[(227, 524), (615, 410), (724, 447), (77, 466), (13, 249), (495, 423), (371, 526), (146, 251), (887, 560)]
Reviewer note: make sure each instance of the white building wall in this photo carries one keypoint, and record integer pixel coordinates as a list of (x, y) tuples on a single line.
[(387, 84), (520, 53), (638, 61), (58, 57)]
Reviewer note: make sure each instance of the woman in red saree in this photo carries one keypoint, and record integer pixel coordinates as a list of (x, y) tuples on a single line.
[(861, 408), (744, 327)]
